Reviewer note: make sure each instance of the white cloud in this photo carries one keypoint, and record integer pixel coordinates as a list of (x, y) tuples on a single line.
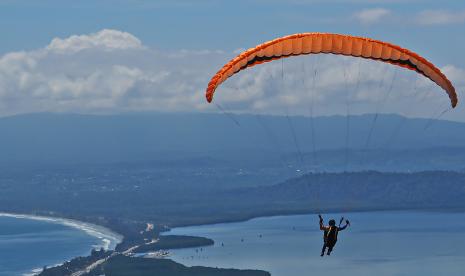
[(104, 39), (111, 71), (457, 76), (370, 16), (108, 71), (440, 17)]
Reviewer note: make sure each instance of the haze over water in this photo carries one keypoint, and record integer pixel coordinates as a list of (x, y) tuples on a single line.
[(378, 243)]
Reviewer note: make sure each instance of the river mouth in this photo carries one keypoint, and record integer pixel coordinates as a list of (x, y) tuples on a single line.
[(28, 243), (381, 243)]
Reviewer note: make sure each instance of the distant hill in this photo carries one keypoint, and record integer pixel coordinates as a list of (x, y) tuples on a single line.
[(139, 196), (364, 191), (205, 139)]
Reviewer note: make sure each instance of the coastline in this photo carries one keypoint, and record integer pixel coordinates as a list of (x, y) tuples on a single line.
[(109, 239), (314, 212)]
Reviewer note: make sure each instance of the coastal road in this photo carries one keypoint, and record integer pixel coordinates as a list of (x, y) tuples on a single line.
[(95, 264)]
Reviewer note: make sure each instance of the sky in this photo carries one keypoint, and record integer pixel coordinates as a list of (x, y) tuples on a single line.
[(136, 56)]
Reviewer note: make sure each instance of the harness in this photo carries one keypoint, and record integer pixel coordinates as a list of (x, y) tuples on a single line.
[(331, 235)]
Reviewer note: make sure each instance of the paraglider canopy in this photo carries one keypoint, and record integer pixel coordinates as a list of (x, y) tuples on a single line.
[(318, 43)]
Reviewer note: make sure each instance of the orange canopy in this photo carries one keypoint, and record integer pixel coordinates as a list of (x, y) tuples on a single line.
[(316, 43)]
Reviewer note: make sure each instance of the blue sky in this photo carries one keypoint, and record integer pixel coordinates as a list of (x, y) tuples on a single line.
[(214, 29), (228, 25)]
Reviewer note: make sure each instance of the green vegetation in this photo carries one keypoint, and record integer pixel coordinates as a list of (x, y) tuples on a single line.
[(118, 264), (125, 200), (75, 264), (127, 266), (364, 191)]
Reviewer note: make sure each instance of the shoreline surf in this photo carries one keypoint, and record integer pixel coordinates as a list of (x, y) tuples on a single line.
[(108, 238)]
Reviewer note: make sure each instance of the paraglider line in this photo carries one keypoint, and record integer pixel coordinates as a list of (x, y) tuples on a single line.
[(294, 137), (312, 108), (229, 115), (272, 138), (347, 134), (378, 109), (404, 117), (436, 118)]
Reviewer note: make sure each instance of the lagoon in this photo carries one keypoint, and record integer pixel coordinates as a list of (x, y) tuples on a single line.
[(377, 243)]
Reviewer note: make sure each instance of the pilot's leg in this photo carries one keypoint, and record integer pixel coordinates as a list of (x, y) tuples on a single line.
[(323, 250)]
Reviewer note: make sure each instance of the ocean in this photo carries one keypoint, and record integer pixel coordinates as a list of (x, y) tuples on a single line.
[(377, 243), (27, 244)]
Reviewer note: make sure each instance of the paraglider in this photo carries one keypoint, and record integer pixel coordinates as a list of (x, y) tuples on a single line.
[(327, 43), (337, 44), (330, 234)]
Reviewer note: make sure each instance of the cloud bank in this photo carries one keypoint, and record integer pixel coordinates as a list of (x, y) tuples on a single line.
[(113, 71)]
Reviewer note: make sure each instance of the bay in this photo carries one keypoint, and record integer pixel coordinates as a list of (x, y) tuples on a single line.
[(377, 243), (27, 244)]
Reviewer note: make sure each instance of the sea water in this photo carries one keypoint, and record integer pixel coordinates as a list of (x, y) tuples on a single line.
[(377, 243), (27, 245)]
